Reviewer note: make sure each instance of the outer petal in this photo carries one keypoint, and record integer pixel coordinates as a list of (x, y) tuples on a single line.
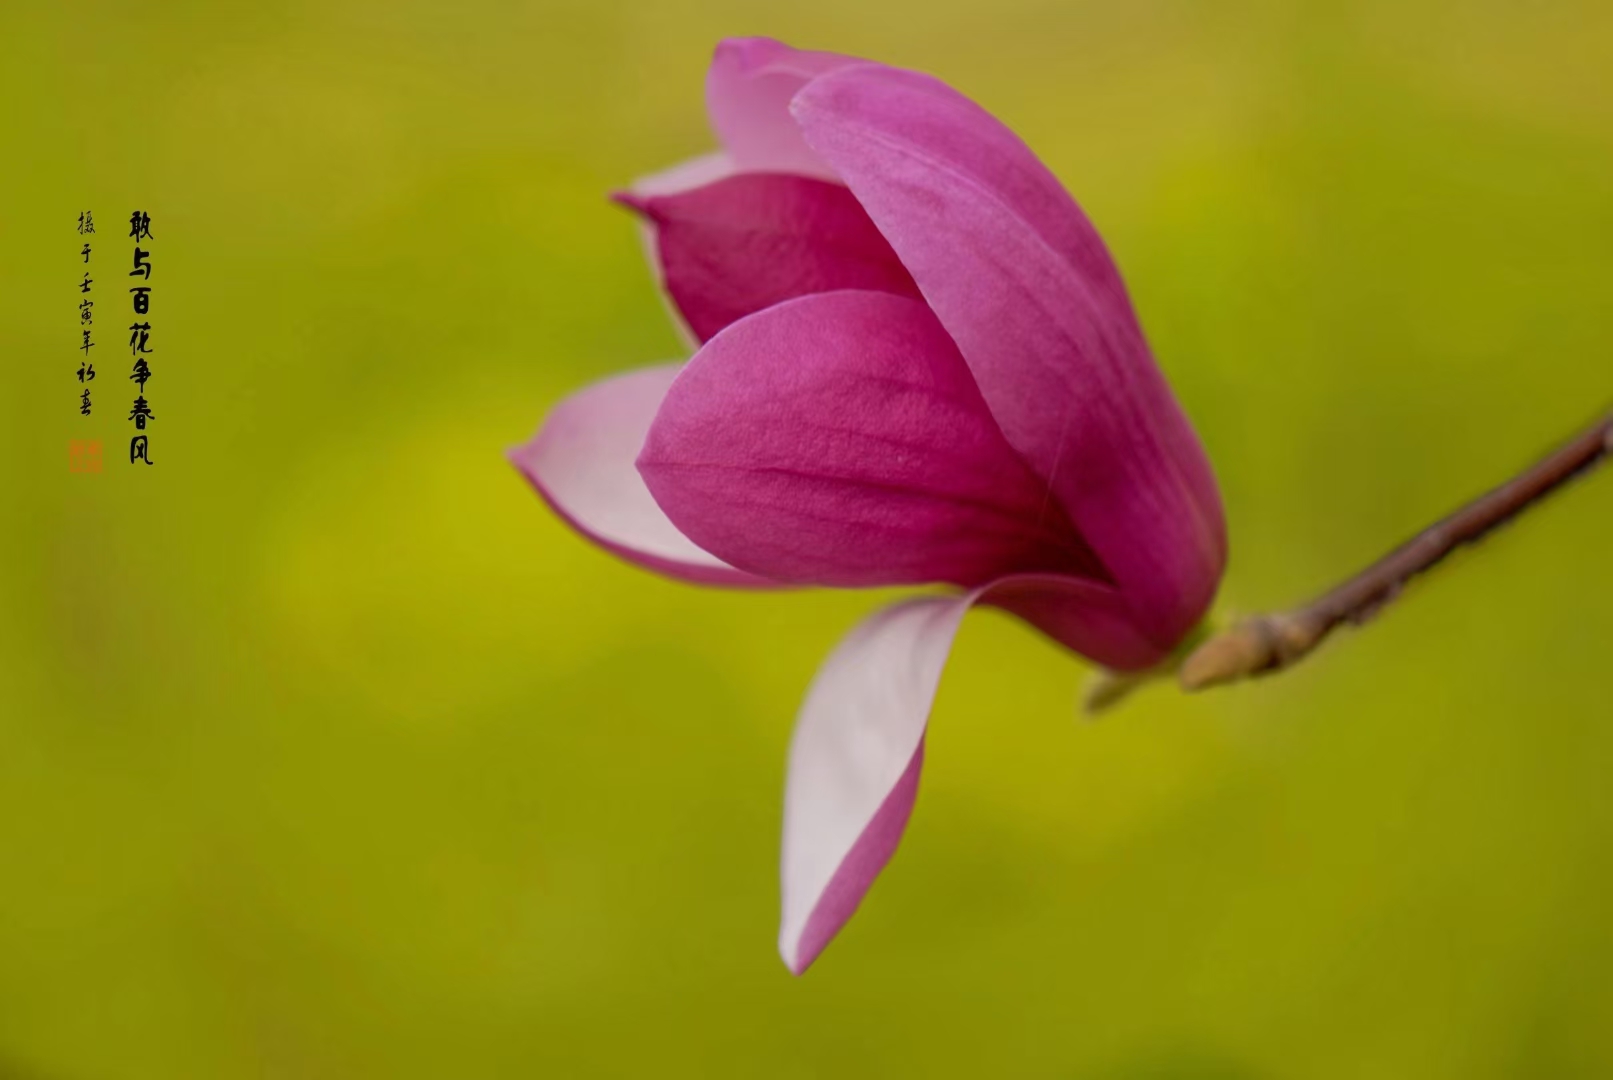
[(748, 91), (837, 439), (854, 766), (1022, 282), (747, 242), (859, 741), (1087, 617), (581, 462)]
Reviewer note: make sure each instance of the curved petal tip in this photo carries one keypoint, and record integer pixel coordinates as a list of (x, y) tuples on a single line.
[(581, 463)]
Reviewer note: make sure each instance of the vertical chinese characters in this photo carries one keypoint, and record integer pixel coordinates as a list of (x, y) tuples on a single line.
[(140, 338), (84, 455), (86, 316)]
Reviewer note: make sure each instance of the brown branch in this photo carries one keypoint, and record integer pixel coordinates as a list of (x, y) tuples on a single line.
[(1263, 644)]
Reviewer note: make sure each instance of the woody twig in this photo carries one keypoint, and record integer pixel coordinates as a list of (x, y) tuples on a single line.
[(1263, 644)]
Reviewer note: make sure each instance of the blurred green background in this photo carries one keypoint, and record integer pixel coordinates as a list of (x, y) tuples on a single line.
[(326, 751)]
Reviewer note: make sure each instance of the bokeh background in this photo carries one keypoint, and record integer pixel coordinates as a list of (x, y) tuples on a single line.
[(326, 751)]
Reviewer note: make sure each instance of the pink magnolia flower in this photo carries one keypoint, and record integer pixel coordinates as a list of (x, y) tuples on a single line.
[(918, 365)]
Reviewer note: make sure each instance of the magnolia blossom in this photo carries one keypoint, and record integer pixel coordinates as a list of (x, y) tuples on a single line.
[(917, 364)]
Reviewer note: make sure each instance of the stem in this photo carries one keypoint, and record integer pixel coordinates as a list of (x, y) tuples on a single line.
[(1262, 644)]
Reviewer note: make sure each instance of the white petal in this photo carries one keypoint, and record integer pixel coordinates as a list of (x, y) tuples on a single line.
[(854, 765), (685, 175), (582, 462)]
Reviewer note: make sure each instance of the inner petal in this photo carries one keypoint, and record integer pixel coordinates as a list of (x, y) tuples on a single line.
[(746, 242), (839, 439), (748, 91)]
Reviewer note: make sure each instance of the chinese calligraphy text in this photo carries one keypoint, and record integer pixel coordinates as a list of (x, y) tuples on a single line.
[(140, 338), (86, 323)]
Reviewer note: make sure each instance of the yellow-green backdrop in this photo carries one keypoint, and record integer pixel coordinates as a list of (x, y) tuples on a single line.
[(326, 751)]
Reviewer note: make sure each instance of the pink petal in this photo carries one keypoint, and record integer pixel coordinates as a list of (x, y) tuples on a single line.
[(581, 462), (1088, 617), (684, 176), (859, 741), (748, 91), (838, 439), (1023, 284), (749, 241)]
